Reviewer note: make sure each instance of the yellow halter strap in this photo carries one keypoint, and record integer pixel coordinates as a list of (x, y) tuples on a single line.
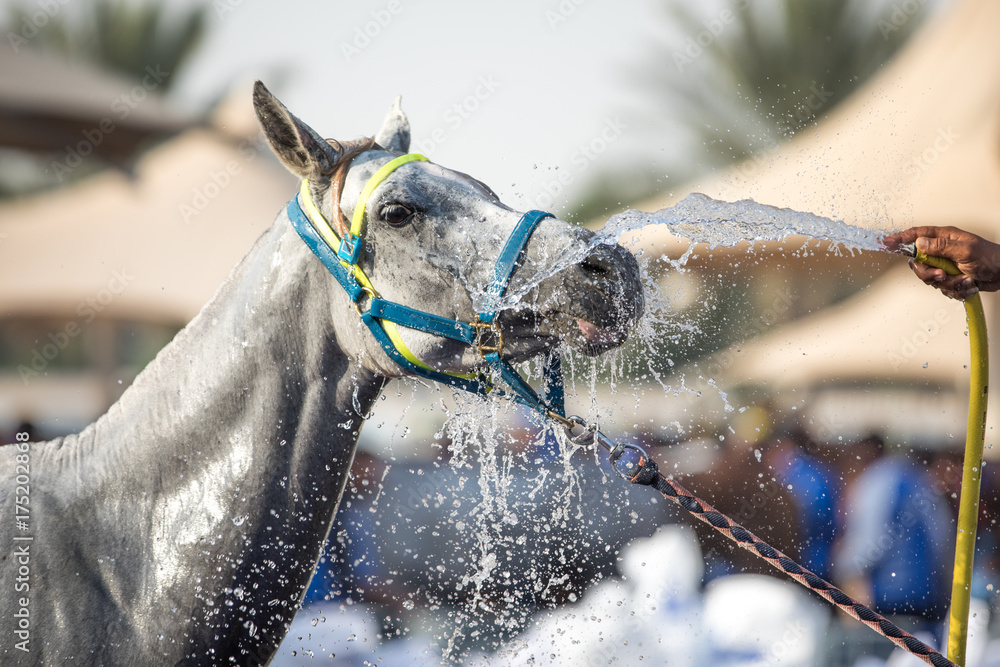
[(348, 249)]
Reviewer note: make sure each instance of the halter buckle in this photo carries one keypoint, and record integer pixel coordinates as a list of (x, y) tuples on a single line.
[(489, 338)]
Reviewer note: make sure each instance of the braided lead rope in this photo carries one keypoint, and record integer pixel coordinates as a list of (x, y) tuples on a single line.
[(671, 490)]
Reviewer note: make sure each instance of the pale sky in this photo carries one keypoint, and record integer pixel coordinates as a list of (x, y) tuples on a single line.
[(520, 94), (508, 92)]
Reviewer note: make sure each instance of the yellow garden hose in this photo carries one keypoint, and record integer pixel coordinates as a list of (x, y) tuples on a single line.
[(975, 434)]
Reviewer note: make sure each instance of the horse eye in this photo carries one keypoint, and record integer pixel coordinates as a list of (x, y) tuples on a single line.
[(396, 214)]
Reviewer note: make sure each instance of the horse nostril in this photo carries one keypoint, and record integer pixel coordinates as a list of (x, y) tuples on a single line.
[(597, 267)]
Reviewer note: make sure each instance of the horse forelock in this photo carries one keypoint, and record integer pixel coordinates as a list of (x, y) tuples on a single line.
[(348, 151)]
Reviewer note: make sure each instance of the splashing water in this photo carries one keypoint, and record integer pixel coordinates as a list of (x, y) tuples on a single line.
[(701, 219), (718, 223), (698, 218), (505, 570)]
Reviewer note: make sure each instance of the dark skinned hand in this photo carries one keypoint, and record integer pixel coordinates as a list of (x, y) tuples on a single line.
[(976, 258)]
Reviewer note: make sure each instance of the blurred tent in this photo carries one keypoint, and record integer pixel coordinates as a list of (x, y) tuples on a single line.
[(893, 360), (174, 230), (147, 247), (896, 329), (916, 145), (50, 105)]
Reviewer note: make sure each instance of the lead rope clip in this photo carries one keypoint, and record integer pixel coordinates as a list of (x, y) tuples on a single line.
[(629, 461)]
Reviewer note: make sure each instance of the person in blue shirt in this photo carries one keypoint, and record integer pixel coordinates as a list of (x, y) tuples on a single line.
[(815, 491), (895, 553)]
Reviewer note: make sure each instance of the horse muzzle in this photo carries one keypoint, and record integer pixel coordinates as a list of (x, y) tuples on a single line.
[(591, 305)]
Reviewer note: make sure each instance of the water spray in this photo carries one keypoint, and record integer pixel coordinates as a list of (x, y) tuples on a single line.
[(702, 219), (633, 464)]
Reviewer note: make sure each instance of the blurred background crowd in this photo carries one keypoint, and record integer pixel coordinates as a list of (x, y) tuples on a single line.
[(816, 396), (875, 518)]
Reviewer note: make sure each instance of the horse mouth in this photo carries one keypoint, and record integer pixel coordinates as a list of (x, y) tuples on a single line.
[(591, 307), (530, 332), (598, 340), (588, 337)]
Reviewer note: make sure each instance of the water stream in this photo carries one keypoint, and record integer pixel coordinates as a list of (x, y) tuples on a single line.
[(701, 219), (697, 218), (510, 512)]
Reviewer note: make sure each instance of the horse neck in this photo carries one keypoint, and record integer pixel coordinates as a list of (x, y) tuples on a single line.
[(258, 370), (240, 432)]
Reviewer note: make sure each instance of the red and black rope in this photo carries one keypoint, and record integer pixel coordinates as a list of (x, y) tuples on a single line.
[(647, 474)]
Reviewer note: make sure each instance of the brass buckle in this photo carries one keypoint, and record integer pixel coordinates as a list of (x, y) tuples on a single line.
[(489, 338)]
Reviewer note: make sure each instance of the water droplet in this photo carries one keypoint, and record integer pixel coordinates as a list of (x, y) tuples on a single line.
[(756, 454)]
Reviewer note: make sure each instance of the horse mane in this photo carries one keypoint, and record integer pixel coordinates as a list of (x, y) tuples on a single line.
[(348, 151)]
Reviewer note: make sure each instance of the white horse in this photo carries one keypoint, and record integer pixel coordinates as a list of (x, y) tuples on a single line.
[(183, 526)]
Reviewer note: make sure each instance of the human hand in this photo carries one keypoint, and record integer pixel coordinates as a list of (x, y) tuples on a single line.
[(977, 259)]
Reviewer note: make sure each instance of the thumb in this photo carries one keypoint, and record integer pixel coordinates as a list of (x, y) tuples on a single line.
[(932, 246)]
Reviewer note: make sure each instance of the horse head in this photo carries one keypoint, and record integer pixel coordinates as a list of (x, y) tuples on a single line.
[(429, 238)]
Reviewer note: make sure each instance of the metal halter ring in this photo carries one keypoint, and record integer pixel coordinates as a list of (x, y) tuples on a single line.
[(371, 295), (484, 344), (630, 462)]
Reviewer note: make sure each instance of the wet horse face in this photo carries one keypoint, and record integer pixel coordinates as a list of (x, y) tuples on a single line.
[(431, 239)]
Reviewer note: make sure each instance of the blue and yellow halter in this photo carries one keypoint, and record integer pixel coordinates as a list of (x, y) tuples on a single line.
[(340, 256)]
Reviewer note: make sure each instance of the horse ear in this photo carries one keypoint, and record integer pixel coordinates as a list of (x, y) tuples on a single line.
[(395, 132), (296, 144)]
